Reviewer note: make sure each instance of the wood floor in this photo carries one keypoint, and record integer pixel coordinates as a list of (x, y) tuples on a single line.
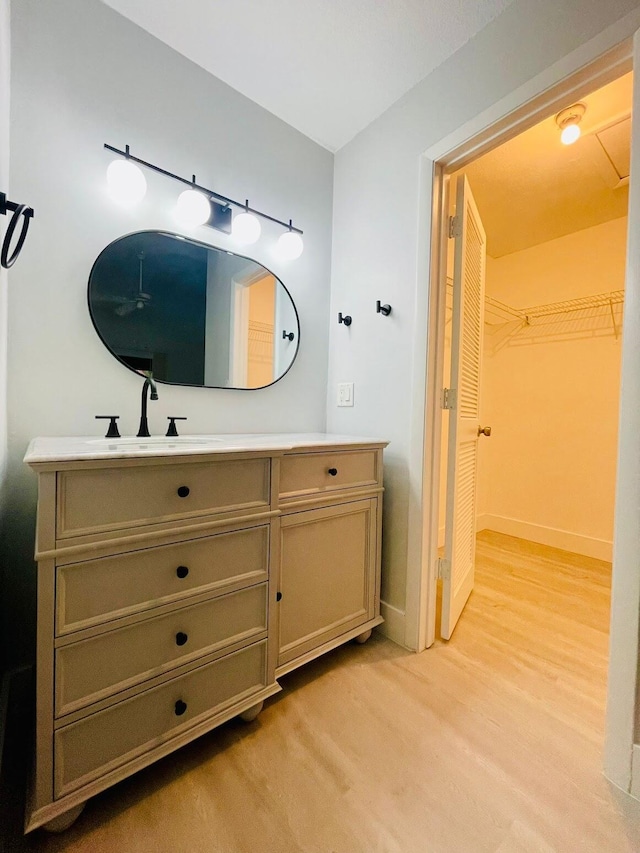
[(490, 743)]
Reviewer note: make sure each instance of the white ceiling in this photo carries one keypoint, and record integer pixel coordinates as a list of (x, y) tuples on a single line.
[(533, 188), (326, 67)]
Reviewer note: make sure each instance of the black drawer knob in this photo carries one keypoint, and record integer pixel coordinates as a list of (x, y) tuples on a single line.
[(278, 596), (332, 471), (182, 571), (183, 491), (180, 708), (181, 638)]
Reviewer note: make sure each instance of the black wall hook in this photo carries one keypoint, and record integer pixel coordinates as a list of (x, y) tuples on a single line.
[(288, 335), (346, 319), (19, 210), (383, 309)]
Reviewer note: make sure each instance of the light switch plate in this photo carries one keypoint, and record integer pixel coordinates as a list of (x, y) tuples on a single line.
[(345, 393)]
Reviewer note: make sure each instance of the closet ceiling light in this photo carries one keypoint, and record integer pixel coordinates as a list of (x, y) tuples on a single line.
[(568, 121), (125, 182), (199, 205)]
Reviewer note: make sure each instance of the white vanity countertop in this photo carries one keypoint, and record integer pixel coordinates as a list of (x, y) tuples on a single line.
[(68, 449)]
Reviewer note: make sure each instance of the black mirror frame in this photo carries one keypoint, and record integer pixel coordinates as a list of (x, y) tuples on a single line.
[(204, 246)]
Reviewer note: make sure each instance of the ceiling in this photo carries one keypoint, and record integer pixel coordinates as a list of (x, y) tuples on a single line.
[(326, 67), (533, 188)]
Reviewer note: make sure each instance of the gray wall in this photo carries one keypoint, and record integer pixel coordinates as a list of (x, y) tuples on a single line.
[(377, 248), (82, 76), (5, 57)]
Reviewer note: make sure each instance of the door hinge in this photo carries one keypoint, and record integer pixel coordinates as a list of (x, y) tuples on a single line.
[(449, 398), (444, 569), (455, 227)]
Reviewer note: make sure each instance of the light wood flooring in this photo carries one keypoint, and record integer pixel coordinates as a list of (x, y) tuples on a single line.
[(490, 743)]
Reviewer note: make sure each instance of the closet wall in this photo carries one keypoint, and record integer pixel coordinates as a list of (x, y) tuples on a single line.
[(551, 394)]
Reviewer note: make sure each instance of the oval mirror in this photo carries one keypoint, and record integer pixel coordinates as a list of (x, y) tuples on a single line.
[(192, 314)]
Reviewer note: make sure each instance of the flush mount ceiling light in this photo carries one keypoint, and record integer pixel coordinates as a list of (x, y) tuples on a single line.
[(568, 121), (199, 205)]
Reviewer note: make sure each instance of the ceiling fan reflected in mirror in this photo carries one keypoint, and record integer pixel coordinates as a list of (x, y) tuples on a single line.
[(128, 304)]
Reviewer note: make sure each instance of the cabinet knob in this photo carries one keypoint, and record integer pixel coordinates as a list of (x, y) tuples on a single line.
[(278, 596), (180, 707), (182, 571), (181, 638), (183, 491), (332, 471)]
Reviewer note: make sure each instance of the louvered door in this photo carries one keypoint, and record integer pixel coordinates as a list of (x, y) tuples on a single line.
[(466, 354)]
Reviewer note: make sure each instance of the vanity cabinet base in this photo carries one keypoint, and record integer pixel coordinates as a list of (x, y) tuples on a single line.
[(353, 634), (40, 817), (171, 604)]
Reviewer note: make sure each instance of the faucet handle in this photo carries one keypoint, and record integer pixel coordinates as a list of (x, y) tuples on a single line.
[(112, 432), (172, 431)]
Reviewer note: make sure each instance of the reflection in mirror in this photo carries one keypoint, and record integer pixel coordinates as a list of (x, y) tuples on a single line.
[(192, 314)]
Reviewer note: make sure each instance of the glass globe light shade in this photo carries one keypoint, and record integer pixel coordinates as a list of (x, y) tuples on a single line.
[(289, 246), (192, 208), (570, 134), (125, 182), (246, 228)]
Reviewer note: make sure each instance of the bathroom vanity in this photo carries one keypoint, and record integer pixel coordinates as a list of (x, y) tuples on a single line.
[(177, 580)]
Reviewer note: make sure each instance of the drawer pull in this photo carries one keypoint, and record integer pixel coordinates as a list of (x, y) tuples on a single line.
[(183, 491), (332, 471), (180, 708), (182, 571), (181, 638), (278, 596)]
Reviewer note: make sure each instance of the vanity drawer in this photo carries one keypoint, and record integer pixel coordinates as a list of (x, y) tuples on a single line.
[(101, 742), (307, 473), (92, 669), (96, 591), (96, 500)]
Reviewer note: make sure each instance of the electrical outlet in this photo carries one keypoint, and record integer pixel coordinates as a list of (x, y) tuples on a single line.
[(345, 393)]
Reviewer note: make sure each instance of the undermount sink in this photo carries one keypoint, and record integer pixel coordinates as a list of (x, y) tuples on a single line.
[(155, 441)]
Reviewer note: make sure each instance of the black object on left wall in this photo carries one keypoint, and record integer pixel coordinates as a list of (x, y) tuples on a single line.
[(7, 258)]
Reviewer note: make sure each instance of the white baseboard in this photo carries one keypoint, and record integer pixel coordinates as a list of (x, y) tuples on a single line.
[(393, 626), (589, 546)]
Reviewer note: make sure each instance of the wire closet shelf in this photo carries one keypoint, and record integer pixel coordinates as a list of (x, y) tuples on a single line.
[(599, 315)]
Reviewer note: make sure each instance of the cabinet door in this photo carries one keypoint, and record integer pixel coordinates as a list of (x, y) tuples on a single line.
[(327, 575)]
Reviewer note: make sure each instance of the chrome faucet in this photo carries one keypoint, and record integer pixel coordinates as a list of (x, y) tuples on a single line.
[(143, 431)]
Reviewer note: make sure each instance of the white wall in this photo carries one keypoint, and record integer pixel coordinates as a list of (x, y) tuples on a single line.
[(548, 471), (82, 76), (5, 63), (379, 252)]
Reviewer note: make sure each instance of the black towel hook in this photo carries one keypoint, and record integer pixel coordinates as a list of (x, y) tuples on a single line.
[(19, 210)]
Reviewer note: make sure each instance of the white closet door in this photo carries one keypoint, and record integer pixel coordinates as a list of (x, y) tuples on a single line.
[(466, 355)]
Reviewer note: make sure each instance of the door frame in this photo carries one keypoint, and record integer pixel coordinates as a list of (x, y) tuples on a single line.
[(589, 68)]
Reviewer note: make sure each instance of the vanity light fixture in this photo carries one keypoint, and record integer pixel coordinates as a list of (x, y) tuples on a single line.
[(246, 228), (568, 120), (289, 245), (193, 207), (123, 177), (125, 181)]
